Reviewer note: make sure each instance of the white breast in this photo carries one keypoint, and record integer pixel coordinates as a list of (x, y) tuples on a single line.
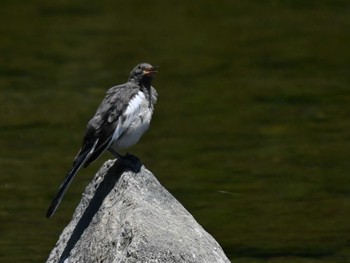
[(133, 123)]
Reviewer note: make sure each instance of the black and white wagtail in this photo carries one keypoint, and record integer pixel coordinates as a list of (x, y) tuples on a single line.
[(119, 122)]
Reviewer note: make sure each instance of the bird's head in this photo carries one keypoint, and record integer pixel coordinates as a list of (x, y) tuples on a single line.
[(143, 74)]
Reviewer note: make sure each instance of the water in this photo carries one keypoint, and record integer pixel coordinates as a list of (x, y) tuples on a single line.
[(251, 132)]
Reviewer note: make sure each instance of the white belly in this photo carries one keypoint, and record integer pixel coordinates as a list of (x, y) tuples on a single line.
[(132, 124), (132, 134)]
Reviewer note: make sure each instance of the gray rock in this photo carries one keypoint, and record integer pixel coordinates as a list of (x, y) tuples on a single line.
[(130, 217)]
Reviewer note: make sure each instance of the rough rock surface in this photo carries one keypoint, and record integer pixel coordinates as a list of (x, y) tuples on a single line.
[(130, 217)]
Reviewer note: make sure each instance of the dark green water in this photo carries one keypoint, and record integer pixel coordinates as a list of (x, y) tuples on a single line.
[(251, 132)]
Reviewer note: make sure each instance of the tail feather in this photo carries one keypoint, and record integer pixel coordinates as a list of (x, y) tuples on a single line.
[(78, 163)]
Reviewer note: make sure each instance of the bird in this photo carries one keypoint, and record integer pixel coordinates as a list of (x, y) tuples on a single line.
[(120, 120)]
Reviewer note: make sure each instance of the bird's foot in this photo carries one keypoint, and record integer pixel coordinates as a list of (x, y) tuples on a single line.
[(131, 162), (128, 160)]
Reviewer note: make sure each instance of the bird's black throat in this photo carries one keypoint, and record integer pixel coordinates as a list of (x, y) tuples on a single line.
[(147, 89)]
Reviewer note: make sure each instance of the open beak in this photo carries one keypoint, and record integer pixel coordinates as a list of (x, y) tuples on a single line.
[(150, 71)]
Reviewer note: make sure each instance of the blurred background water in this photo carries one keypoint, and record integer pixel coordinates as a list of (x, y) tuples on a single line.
[(251, 132)]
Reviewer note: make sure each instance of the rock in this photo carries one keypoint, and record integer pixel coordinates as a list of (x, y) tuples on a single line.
[(130, 217)]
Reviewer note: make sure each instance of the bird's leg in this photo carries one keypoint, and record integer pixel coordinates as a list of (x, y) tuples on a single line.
[(115, 153), (129, 160)]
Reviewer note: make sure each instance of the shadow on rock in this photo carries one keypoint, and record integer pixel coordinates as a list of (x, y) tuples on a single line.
[(111, 178)]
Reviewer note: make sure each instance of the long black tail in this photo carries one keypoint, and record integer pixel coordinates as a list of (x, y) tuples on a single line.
[(78, 163)]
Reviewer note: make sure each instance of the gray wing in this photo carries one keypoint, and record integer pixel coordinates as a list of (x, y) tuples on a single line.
[(102, 126)]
